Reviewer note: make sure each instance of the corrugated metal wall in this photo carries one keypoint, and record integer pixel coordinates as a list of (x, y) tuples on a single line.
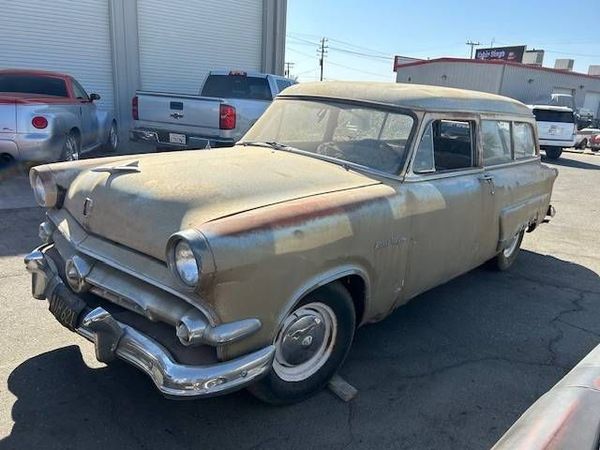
[(180, 41), (536, 86), (60, 35), (526, 84), (453, 74)]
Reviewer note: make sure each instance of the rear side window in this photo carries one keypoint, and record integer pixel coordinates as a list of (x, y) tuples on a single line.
[(496, 142), (545, 115), (30, 84), (445, 145), (237, 86), (524, 140)]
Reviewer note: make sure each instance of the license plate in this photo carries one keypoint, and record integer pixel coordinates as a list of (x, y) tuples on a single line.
[(66, 307), (176, 138)]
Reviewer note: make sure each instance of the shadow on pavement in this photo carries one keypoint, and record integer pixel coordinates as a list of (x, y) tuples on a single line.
[(452, 369), (576, 164)]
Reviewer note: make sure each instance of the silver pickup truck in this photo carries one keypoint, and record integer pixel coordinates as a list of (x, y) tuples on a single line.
[(228, 105)]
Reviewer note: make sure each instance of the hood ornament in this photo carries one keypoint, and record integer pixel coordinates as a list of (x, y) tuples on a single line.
[(131, 167)]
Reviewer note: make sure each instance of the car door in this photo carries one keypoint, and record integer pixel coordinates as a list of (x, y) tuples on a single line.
[(511, 163), (448, 198), (88, 116)]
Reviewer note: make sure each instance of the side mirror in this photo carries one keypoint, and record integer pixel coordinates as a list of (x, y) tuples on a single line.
[(94, 97)]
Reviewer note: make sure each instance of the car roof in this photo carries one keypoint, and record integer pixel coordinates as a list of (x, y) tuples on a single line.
[(411, 96), (45, 73)]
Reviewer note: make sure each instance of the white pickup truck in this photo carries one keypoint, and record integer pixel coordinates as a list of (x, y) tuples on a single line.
[(228, 105)]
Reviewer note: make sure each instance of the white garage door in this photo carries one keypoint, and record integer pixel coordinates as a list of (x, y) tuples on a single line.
[(592, 102), (180, 41), (60, 35)]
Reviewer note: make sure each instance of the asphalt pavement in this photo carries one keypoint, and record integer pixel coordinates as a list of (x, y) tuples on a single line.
[(452, 369)]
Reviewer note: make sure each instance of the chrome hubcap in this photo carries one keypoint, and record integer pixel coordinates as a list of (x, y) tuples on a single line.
[(511, 246), (305, 342)]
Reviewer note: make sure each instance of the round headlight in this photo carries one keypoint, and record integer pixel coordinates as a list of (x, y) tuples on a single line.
[(45, 189), (186, 264)]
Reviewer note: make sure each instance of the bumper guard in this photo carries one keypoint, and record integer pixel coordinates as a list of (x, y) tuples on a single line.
[(114, 339)]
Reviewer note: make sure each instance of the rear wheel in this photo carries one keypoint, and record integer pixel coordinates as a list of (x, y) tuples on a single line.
[(553, 152), (311, 345), (71, 147), (509, 254)]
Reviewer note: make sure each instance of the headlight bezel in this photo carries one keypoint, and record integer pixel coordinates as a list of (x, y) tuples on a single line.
[(203, 256), (46, 191)]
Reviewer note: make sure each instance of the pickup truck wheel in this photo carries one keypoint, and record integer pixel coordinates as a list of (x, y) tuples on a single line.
[(112, 142), (553, 152), (70, 148), (507, 257), (311, 345)]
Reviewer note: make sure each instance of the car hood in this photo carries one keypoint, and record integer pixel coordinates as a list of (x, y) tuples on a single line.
[(139, 202)]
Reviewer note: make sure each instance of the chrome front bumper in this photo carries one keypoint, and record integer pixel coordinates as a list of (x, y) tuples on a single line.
[(114, 339)]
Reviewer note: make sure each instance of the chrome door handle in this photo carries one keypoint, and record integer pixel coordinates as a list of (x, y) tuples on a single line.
[(489, 180)]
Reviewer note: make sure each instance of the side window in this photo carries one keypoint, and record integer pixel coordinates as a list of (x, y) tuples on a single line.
[(79, 91), (524, 140), (496, 142), (445, 145)]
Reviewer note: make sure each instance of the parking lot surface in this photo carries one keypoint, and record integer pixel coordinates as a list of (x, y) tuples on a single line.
[(452, 369)]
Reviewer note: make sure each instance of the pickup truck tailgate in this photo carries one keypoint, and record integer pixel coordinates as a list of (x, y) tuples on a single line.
[(179, 109), (8, 116)]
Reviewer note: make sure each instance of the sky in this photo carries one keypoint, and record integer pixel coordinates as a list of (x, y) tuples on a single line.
[(363, 36)]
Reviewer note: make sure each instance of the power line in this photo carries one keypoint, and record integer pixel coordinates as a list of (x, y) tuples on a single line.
[(358, 70)]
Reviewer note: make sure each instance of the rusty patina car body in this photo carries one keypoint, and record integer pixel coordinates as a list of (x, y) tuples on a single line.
[(372, 194)]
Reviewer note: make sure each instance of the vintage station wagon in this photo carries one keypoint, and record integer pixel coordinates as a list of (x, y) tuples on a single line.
[(252, 266)]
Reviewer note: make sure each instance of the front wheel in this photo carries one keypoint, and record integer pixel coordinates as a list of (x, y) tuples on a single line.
[(311, 345), (503, 260), (553, 152)]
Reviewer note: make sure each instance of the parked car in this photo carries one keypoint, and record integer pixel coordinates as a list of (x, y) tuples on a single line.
[(253, 265), (48, 116), (585, 136), (594, 142), (228, 104), (556, 128)]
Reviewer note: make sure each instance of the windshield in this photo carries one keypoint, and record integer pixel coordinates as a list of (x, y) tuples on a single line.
[(30, 84), (362, 135)]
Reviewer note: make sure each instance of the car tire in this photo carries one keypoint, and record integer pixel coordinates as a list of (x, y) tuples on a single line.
[(503, 260), (306, 360), (71, 147), (112, 142), (553, 152), (583, 144)]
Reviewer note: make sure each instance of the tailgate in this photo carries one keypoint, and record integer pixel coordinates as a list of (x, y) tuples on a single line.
[(556, 130), (185, 110), (8, 116)]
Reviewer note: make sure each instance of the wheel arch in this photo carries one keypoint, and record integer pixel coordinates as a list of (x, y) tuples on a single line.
[(354, 279)]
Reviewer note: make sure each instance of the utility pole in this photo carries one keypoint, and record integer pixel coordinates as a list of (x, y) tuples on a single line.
[(322, 50), (473, 45), (288, 66)]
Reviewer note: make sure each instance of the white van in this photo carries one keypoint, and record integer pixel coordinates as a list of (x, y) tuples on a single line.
[(556, 128)]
